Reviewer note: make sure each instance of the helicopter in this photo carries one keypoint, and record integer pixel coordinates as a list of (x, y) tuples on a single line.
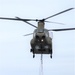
[(41, 43)]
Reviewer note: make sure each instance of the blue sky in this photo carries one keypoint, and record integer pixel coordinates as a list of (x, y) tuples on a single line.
[(15, 56)]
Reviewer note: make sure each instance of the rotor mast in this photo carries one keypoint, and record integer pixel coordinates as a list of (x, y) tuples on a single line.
[(41, 25)]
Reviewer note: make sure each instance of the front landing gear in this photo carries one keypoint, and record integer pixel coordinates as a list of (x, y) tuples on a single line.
[(33, 55), (51, 56), (32, 50)]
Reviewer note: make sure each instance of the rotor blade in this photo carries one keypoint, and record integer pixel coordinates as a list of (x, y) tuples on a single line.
[(55, 22), (30, 24), (8, 18), (62, 29), (18, 19), (59, 13), (26, 22), (28, 34)]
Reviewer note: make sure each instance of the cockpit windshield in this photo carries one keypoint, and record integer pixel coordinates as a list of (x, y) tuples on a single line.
[(41, 31)]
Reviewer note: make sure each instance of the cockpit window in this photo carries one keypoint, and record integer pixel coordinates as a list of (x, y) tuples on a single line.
[(41, 31)]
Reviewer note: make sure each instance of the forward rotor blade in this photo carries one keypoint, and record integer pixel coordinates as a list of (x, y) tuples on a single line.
[(55, 22), (18, 19), (26, 22), (62, 29), (59, 13), (28, 34), (30, 24)]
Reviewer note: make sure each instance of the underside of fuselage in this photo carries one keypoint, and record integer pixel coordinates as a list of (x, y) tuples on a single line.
[(41, 46)]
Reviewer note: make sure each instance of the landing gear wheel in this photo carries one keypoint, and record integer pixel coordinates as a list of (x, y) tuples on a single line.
[(31, 50), (51, 56), (33, 55)]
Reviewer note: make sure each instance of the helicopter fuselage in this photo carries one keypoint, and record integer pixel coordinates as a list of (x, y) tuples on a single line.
[(41, 42)]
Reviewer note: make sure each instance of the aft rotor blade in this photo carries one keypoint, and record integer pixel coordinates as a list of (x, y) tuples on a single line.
[(28, 34), (62, 29), (26, 22), (55, 22), (59, 13)]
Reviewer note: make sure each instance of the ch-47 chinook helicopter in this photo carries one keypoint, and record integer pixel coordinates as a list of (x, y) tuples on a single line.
[(41, 42)]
